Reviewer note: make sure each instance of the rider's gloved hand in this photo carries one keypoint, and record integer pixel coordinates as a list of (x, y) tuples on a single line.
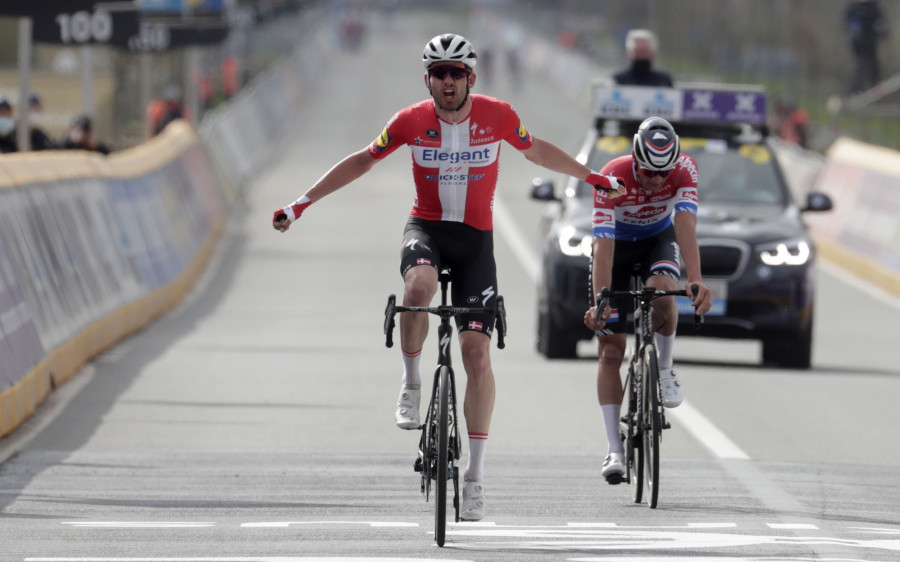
[(612, 185), (282, 218)]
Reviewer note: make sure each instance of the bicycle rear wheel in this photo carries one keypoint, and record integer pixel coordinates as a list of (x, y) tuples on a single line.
[(443, 454), (653, 425)]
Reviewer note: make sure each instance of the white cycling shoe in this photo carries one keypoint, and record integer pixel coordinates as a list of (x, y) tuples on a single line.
[(670, 387), (472, 502), (406, 416), (614, 468)]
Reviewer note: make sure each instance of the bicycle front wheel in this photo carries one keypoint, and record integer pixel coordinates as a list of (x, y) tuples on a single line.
[(633, 437), (443, 455), (653, 423)]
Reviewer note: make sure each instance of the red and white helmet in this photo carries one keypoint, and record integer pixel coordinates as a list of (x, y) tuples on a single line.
[(656, 146), (449, 47)]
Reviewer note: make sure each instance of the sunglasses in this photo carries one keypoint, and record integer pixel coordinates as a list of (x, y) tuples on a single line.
[(652, 173), (455, 72)]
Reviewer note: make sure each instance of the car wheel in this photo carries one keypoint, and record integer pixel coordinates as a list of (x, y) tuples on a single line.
[(553, 341), (792, 350)]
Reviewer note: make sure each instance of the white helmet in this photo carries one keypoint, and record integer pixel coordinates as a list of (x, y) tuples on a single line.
[(656, 146), (449, 47)]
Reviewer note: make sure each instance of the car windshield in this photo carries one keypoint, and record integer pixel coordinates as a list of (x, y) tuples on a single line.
[(743, 174)]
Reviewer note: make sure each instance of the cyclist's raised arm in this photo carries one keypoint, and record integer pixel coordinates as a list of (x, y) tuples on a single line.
[(344, 172), (550, 156)]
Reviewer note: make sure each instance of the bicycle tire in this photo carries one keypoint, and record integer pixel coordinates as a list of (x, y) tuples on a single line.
[(443, 456), (653, 427), (428, 445), (634, 449)]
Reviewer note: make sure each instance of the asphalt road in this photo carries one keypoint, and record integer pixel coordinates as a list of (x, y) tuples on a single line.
[(255, 422)]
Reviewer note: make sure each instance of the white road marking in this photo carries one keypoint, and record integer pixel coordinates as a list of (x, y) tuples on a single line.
[(704, 431), (516, 239), (586, 537), (286, 524), (805, 526), (139, 524), (623, 539), (243, 559)]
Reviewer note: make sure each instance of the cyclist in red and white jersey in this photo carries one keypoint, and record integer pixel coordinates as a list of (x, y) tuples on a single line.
[(455, 138), (651, 226)]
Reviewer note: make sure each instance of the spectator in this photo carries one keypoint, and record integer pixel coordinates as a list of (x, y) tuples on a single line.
[(640, 45), (7, 127), (39, 139), (867, 26), (163, 111), (80, 136), (231, 79), (791, 123)]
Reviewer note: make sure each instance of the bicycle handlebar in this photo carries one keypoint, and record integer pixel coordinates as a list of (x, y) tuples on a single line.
[(648, 294), (392, 309)]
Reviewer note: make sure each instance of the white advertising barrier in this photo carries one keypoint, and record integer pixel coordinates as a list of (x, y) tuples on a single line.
[(801, 167), (863, 230), (93, 248)]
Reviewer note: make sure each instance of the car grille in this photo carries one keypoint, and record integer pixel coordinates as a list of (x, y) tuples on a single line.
[(723, 258)]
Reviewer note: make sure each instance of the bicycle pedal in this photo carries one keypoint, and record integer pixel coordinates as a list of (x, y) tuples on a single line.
[(417, 466), (615, 479)]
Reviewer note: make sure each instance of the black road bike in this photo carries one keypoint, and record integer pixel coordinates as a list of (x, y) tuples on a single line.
[(643, 421), (440, 445)]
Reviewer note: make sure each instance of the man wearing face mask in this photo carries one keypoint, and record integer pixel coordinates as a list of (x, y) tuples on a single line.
[(640, 45), (7, 127), (39, 139)]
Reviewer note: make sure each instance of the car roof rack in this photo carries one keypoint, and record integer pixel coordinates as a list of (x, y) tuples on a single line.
[(734, 112)]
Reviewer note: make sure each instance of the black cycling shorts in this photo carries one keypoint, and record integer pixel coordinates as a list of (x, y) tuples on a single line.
[(469, 255), (658, 255)]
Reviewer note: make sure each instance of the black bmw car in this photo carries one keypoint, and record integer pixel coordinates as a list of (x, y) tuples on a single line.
[(756, 254)]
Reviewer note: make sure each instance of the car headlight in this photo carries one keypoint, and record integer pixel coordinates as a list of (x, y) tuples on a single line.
[(790, 252), (571, 243)]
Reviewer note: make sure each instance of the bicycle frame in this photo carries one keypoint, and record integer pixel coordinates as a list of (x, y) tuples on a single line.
[(440, 444)]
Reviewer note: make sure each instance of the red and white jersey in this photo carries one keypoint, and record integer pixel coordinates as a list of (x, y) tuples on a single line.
[(637, 214), (454, 164)]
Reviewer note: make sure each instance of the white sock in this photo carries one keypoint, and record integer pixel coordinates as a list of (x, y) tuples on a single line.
[(475, 466), (411, 378), (664, 346), (611, 423)]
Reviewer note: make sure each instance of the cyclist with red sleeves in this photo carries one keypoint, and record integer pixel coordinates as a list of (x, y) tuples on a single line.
[(455, 138), (652, 225)]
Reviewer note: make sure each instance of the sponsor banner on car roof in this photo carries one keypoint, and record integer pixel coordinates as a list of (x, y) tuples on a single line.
[(711, 105)]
